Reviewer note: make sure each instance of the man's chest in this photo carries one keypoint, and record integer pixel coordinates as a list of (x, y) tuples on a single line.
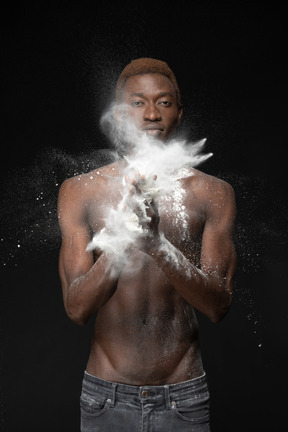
[(181, 215)]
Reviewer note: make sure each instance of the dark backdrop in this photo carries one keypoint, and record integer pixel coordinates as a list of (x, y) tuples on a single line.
[(60, 60)]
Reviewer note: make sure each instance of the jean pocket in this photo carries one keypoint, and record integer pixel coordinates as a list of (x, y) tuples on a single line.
[(194, 410), (91, 407)]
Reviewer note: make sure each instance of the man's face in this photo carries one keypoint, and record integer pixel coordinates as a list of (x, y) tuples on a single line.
[(151, 103)]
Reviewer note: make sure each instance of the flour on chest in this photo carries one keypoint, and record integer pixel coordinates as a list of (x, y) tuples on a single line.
[(173, 211)]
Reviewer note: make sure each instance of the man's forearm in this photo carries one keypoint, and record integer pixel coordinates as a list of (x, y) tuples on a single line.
[(89, 292), (208, 293)]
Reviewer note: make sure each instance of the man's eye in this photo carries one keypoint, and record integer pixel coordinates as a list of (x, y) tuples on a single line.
[(165, 103), (136, 103)]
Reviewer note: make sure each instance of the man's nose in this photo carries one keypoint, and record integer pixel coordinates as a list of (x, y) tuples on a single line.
[(151, 113)]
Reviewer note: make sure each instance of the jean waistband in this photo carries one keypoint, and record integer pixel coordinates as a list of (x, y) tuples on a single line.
[(146, 394)]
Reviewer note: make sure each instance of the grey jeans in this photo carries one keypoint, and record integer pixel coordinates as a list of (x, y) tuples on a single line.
[(112, 407)]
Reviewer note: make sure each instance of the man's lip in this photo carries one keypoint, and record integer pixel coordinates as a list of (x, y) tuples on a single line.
[(153, 131), (153, 128)]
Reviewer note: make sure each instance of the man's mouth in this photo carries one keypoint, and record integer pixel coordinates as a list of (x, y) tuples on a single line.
[(153, 131)]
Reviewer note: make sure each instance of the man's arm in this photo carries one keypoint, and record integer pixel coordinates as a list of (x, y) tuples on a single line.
[(208, 289), (86, 284)]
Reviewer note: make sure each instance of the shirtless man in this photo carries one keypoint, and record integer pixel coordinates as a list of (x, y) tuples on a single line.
[(145, 371)]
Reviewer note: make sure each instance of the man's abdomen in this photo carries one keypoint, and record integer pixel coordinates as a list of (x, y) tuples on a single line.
[(150, 338)]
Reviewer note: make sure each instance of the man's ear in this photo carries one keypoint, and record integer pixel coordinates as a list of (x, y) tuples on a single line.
[(180, 113), (119, 112), (117, 115)]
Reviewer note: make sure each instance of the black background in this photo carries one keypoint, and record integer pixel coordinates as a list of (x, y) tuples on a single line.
[(60, 61)]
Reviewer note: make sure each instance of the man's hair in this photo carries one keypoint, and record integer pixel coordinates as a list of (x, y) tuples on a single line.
[(142, 66)]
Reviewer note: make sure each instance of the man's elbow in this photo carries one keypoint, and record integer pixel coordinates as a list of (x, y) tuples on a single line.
[(77, 316), (218, 316), (221, 311), (79, 320)]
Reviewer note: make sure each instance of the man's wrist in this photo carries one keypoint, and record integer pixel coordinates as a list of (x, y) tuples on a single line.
[(156, 245)]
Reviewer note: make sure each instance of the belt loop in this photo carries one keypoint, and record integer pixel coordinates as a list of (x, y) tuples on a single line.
[(114, 387), (167, 397)]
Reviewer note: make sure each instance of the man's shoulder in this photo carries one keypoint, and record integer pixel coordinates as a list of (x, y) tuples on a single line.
[(203, 178), (207, 184), (93, 176), (84, 186)]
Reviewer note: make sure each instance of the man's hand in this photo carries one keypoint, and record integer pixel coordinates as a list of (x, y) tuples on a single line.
[(140, 201)]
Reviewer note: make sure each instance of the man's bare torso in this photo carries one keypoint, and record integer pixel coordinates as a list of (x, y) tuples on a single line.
[(146, 333)]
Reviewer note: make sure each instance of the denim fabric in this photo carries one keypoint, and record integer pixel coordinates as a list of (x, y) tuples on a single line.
[(113, 407)]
